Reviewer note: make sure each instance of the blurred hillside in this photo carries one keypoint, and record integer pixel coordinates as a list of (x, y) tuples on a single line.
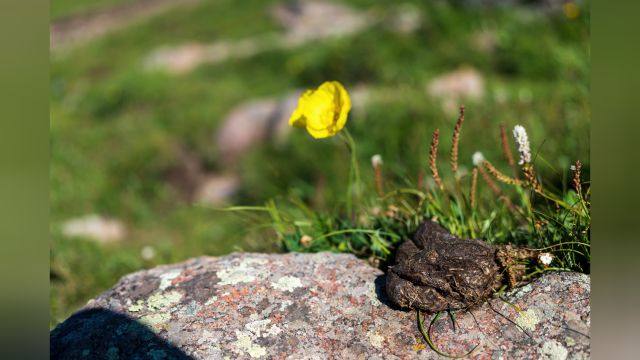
[(168, 111)]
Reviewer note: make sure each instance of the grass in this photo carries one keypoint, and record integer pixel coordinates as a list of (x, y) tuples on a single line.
[(63, 8), (521, 210), (116, 129)]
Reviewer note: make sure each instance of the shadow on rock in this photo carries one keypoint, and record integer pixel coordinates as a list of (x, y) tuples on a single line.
[(381, 293), (102, 334)]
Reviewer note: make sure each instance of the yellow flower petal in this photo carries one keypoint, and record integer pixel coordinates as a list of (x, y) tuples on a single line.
[(322, 111), (297, 119)]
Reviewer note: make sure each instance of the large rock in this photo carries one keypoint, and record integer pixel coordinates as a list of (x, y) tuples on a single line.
[(311, 306)]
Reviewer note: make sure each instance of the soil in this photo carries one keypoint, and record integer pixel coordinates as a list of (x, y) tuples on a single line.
[(78, 29)]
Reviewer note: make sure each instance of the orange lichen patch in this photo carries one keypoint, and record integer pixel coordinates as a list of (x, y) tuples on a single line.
[(277, 318), (330, 287)]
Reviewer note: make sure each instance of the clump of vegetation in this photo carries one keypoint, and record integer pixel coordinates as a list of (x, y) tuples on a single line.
[(519, 209)]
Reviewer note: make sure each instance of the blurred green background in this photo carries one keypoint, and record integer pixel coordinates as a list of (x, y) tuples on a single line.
[(140, 103)]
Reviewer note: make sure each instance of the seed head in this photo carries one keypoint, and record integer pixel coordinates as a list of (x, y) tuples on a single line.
[(376, 160), (306, 240), (455, 141), (499, 175), (433, 156), (577, 183), (474, 187)]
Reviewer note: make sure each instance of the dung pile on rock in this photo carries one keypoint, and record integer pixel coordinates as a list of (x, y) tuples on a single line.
[(437, 271)]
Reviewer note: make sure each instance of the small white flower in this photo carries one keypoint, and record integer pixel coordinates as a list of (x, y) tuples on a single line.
[(376, 160), (545, 258), (520, 134), (572, 167), (148, 253), (477, 158)]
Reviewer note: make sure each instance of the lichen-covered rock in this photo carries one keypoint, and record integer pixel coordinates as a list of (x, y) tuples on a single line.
[(311, 306)]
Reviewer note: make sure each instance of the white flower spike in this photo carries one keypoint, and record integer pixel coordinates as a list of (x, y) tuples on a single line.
[(522, 140)]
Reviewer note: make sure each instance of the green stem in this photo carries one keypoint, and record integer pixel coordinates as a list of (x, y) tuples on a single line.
[(354, 172), (412, 191), (425, 335), (352, 231), (564, 243)]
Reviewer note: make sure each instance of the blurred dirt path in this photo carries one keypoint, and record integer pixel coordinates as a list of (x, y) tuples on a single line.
[(302, 22), (75, 30)]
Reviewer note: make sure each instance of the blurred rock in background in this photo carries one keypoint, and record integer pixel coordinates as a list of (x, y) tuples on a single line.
[(216, 190), (252, 123), (307, 20), (453, 87), (95, 227)]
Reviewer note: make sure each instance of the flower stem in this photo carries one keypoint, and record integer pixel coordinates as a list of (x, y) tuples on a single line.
[(354, 172)]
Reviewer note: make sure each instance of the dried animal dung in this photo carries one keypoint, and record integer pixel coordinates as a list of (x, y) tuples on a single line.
[(437, 271)]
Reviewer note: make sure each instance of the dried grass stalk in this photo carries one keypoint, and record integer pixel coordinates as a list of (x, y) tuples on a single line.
[(433, 156), (577, 183), (474, 187), (506, 150), (496, 190), (376, 162), (531, 178), (455, 141), (499, 175)]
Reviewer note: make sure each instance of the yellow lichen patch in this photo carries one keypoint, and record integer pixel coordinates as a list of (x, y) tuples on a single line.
[(553, 350), (419, 345), (371, 294), (155, 320), (375, 339), (162, 300), (569, 341), (527, 319), (244, 344), (139, 305)]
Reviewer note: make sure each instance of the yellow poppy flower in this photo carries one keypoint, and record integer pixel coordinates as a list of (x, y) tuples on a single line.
[(323, 111)]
